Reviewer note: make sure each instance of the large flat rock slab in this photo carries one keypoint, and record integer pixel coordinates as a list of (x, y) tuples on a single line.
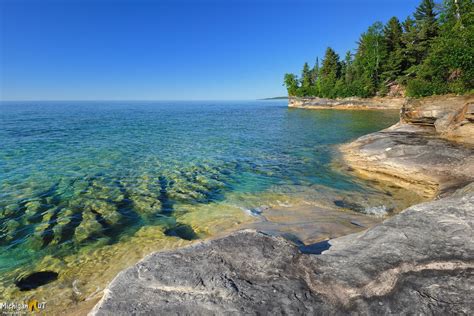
[(414, 157), (418, 262)]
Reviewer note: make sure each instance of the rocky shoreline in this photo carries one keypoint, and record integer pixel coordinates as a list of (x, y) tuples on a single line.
[(419, 152), (353, 103), (420, 261)]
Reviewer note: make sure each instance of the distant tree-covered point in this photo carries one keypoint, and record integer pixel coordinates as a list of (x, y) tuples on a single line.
[(431, 52)]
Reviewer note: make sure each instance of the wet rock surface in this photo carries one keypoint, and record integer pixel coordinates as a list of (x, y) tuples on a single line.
[(420, 261)]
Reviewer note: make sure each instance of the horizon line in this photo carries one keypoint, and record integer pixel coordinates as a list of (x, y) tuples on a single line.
[(124, 100)]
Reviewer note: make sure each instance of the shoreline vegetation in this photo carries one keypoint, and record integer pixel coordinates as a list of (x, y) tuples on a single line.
[(429, 53)]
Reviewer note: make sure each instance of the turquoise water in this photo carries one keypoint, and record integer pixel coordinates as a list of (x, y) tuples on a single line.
[(88, 174)]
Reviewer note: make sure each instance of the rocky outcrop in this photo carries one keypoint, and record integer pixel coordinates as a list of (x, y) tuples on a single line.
[(413, 157), (376, 103), (418, 153), (451, 116), (419, 262)]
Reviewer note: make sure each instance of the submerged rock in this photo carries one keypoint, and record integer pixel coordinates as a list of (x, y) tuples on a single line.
[(349, 205), (182, 231), (418, 262), (36, 279), (378, 211), (257, 211)]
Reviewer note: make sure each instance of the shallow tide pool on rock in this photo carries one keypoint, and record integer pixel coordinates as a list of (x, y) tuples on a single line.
[(88, 188)]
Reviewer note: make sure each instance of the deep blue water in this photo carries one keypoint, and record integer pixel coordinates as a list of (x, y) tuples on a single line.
[(75, 173)]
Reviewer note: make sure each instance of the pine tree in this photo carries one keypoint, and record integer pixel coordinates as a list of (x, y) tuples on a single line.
[(315, 78), (329, 73), (393, 34), (315, 71), (425, 17), (394, 64), (410, 48), (369, 59), (426, 28), (349, 74), (306, 80)]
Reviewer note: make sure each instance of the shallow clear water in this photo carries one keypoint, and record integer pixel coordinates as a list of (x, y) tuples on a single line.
[(77, 175)]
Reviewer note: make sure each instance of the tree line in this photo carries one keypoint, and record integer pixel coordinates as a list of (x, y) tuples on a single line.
[(430, 52)]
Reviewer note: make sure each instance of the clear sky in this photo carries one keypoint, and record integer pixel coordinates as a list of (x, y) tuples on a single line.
[(161, 50)]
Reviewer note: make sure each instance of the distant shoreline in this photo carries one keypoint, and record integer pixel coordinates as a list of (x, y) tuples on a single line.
[(275, 98)]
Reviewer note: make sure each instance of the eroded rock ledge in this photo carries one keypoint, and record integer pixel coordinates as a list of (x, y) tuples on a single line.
[(413, 157), (421, 261), (418, 152), (375, 103), (451, 117)]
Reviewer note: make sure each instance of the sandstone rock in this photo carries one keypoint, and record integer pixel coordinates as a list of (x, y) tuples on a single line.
[(346, 103), (419, 262), (452, 116), (426, 111), (395, 90), (413, 157)]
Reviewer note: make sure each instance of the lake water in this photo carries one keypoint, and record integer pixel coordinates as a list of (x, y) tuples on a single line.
[(87, 184)]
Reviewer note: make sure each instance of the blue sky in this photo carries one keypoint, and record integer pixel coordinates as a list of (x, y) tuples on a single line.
[(162, 50)]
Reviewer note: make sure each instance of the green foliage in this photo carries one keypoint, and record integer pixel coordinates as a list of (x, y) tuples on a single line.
[(306, 80), (291, 83), (394, 64), (449, 65), (329, 73), (371, 54), (429, 53), (420, 88), (425, 16)]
